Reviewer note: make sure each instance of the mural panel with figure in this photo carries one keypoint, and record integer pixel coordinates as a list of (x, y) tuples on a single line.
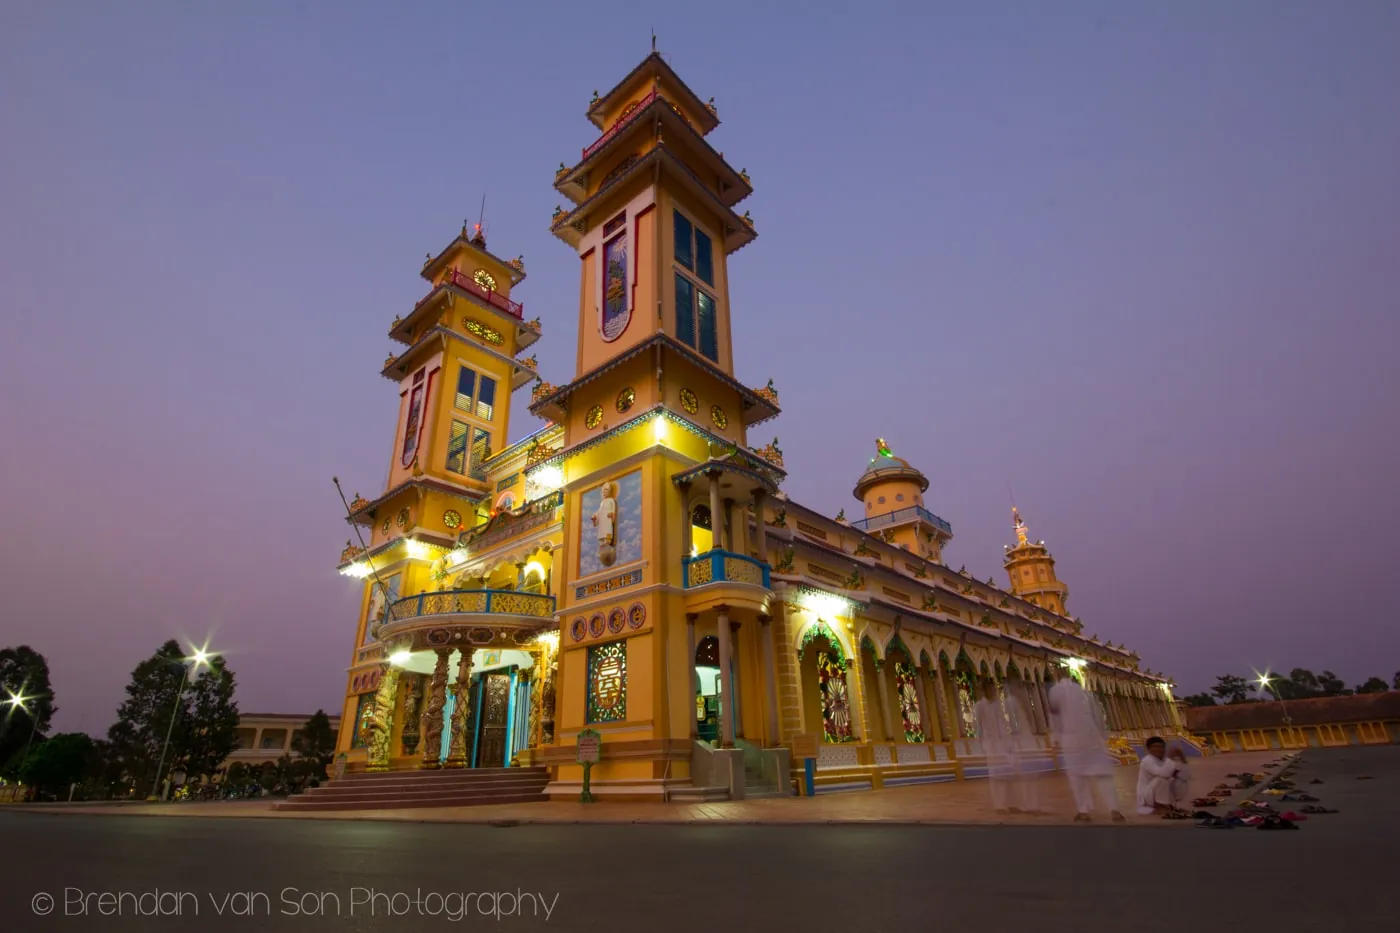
[(611, 531)]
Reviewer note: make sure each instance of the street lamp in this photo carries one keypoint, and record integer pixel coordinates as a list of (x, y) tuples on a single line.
[(18, 701), (1265, 679), (199, 657)]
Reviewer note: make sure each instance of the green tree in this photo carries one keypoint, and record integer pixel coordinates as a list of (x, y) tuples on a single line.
[(24, 672), (1300, 684), (1372, 685), (1231, 689), (62, 760), (1332, 685), (201, 708), (1199, 699), (316, 743), (207, 731)]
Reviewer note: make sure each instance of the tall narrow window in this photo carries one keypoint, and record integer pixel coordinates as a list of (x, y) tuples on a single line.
[(696, 323), (457, 447), (486, 398), (704, 259), (685, 247), (466, 388), (481, 449)]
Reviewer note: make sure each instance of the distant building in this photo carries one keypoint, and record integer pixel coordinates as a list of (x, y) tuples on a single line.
[(265, 737), (1319, 722)]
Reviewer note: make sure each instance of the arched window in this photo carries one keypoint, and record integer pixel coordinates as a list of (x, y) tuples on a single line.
[(701, 529)]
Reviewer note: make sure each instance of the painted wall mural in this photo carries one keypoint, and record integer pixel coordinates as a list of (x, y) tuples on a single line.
[(615, 311), (611, 531)]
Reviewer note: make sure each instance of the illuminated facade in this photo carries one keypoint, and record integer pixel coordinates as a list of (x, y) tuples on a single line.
[(634, 567)]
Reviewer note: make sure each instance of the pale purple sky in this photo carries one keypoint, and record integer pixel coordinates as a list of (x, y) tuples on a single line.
[(1141, 265)]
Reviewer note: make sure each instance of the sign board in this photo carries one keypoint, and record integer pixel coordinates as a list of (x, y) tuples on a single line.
[(590, 747), (804, 746)]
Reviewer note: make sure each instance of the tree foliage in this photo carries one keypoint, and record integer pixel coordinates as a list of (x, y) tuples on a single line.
[(67, 758), (204, 714), (1199, 699), (24, 672), (1372, 685), (316, 743), (1231, 689)]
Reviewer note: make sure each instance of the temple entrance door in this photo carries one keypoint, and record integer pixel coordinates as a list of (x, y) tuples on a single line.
[(707, 690), (495, 717)]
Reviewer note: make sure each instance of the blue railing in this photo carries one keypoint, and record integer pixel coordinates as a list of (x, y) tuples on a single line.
[(724, 567), (458, 602), (902, 515)]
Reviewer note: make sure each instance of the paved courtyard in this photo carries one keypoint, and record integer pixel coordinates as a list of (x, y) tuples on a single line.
[(962, 802), (1336, 872)]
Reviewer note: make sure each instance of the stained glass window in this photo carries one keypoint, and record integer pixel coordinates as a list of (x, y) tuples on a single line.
[(967, 702), (908, 689), (615, 316), (836, 700), (607, 682), (362, 710)]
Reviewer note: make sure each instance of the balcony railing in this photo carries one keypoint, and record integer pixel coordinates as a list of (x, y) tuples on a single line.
[(724, 567), (494, 299), (459, 602), (898, 516), (619, 125)]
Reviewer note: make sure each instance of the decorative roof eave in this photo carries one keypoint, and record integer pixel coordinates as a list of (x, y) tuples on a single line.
[(762, 468), (712, 465), (658, 67), (421, 535), (738, 232), (735, 185), (397, 368), (551, 405), (364, 514), (521, 448), (434, 265), (525, 334)]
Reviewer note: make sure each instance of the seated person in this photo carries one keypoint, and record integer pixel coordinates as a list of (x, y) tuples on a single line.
[(1162, 781)]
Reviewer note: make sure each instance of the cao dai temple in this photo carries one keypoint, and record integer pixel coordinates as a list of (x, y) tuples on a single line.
[(634, 568)]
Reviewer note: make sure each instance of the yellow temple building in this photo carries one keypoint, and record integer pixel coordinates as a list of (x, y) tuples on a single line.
[(634, 568)]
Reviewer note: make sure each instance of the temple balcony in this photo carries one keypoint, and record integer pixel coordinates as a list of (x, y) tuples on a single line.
[(719, 578), (913, 513), (495, 299), (480, 616)]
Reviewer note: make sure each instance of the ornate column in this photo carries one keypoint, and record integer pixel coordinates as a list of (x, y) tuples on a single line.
[(693, 678), (882, 688), (770, 680), (432, 715), (760, 529), (716, 512), (461, 710), (726, 683), (382, 720), (412, 707), (547, 699)]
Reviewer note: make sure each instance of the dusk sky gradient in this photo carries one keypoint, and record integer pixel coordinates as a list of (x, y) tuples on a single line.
[(1139, 261)]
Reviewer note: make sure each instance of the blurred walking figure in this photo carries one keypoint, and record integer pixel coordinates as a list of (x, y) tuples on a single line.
[(1082, 740), (1003, 730)]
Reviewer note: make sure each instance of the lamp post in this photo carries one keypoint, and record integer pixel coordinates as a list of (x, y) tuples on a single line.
[(199, 657), (1264, 681), (18, 701)]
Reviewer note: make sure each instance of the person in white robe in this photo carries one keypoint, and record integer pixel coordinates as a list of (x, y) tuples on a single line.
[(1082, 741), (1005, 731), (1161, 786)]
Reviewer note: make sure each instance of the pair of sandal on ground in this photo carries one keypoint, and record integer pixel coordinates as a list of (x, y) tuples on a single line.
[(1258, 822)]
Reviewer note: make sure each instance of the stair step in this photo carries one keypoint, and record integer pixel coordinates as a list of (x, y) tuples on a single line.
[(436, 774), (395, 786), (446, 800), (698, 794)]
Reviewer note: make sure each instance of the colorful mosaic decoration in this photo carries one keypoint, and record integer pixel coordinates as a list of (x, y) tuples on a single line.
[(625, 399), (607, 682), (478, 329), (636, 615), (689, 402), (452, 518), (967, 701), (595, 624), (402, 518), (615, 310), (718, 416), (617, 620), (363, 708), (836, 703), (594, 417), (597, 588), (485, 279), (908, 689)]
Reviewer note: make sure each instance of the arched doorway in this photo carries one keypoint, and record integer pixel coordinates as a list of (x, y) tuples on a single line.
[(964, 686), (701, 529), (826, 697), (707, 689), (905, 699)]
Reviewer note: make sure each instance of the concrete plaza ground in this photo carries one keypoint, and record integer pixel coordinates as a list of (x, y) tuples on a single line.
[(959, 803), (1335, 872)]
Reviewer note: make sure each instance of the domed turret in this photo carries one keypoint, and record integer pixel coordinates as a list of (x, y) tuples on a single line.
[(892, 492), (1031, 570)]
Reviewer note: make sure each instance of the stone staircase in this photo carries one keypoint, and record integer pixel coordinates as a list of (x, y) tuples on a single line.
[(397, 790)]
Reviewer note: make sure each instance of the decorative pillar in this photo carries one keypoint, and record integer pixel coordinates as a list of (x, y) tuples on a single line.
[(551, 668), (760, 529), (412, 720), (687, 521), (716, 512), (693, 677), (950, 703), (726, 682), (461, 710), (882, 688), (382, 720), (731, 529), (432, 716), (770, 680)]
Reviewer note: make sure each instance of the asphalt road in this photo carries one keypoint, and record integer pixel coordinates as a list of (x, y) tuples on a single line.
[(305, 875)]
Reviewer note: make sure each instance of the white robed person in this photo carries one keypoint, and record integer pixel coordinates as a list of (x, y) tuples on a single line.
[(1082, 739), (1003, 727), (1163, 780), (604, 518)]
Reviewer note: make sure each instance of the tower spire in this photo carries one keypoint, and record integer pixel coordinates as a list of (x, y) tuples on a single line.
[(1020, 525)]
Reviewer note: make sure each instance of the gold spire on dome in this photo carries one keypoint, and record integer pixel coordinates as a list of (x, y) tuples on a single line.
[(1020, 527)]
